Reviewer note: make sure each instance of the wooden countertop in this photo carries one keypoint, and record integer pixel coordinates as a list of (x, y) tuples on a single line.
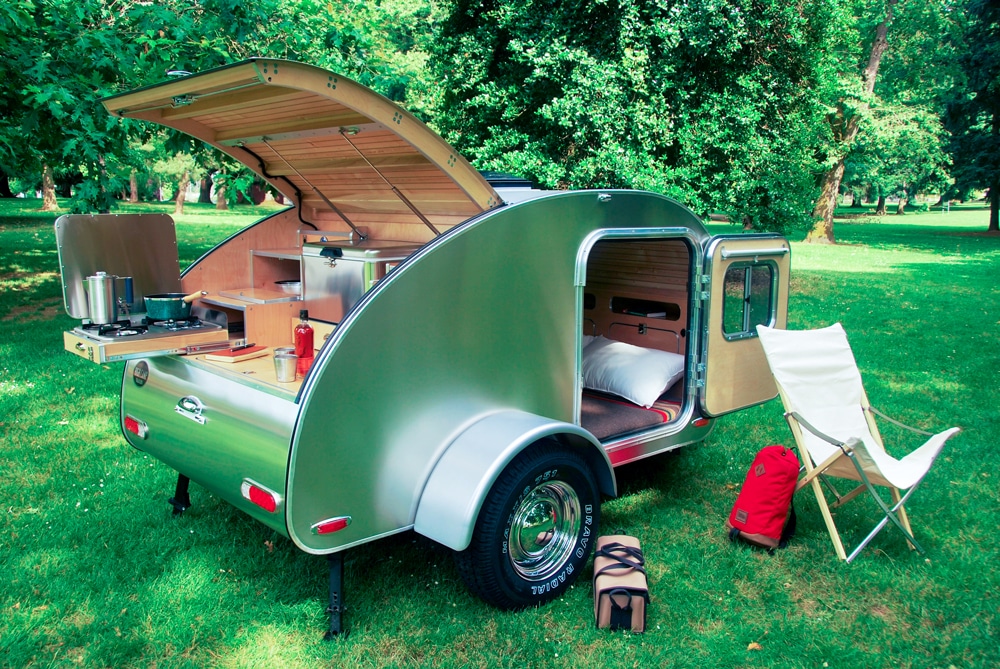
[(256, 372)]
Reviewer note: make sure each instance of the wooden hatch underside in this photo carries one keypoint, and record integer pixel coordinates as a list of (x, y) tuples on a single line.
[(344, 155)]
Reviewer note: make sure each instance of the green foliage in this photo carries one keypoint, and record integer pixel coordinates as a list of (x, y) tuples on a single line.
[(973, 114), (900, 151), (710, 102), (46, 95)]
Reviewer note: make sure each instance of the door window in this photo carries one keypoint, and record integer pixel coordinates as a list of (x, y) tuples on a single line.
[(748, 298)]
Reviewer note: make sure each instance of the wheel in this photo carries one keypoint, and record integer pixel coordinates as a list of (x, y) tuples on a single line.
[(535, 531)]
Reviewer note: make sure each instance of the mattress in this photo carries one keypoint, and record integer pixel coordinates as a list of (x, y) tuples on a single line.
[(606, 416)]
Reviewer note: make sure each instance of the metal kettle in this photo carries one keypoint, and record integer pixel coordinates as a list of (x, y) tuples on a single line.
[(103, 302)]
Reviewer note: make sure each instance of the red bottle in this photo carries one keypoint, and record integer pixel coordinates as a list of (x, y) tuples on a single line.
[(303, 343)]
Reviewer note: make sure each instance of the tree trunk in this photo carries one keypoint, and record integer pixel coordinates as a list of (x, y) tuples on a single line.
[(105, 200), (5, 185), (995, 206), (855, 200), (845, 129), (181, 192), (133, 187), (880, 207), (49, 202), (220, 198), (205, 192), (901, 207), (822, 231)]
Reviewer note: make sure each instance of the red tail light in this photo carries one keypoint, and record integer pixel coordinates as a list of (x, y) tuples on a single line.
[(136, 427), (701, 422), (263, 497), (331, 525)]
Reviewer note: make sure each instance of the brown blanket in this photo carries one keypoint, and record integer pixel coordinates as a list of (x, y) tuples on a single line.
[(606, 416)]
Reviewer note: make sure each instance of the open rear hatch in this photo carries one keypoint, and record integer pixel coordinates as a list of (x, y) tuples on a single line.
[(348, 158)]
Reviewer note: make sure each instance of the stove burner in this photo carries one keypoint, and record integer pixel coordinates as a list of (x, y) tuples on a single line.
[(173, 325), (116, 329)]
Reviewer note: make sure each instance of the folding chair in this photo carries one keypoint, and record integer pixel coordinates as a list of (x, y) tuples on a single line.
[(834, 427)]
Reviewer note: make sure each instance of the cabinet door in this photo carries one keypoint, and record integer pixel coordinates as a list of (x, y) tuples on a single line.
[(747, 286)]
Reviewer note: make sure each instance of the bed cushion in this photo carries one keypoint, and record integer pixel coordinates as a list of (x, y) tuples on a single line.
[(605, 416), (638, 374)]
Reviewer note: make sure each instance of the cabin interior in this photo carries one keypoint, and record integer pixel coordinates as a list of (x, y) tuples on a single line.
[(637, 293)]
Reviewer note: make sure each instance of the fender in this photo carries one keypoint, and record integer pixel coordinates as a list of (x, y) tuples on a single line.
[(458, 484)]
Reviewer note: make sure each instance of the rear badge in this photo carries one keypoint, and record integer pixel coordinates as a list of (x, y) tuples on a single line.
[(140, 373)]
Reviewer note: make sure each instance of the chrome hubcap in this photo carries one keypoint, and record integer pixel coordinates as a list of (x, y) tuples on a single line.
[(544, 531)]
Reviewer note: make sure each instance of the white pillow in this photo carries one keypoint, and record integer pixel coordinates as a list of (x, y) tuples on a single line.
[(587, 339), (638, 374)]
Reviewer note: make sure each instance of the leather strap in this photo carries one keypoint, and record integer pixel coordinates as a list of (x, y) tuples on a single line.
[(621, 616), (621, 555)]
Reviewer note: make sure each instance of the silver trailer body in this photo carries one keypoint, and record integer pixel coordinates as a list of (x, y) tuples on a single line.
[(451, 334)]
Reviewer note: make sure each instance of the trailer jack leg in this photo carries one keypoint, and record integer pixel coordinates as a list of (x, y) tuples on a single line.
[(181, 501), (336, 608)]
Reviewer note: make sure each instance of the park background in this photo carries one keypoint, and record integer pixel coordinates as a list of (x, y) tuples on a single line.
[(744, 111)]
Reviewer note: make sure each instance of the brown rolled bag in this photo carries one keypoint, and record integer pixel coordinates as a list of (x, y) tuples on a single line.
[(621, 594)]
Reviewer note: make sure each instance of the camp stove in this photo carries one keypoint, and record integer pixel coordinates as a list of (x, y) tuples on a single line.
[(128, 339)]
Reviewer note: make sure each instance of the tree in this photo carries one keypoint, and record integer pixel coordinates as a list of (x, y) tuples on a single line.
[(46, 95), (845, 120), (907, 71), (708, 102), (900, 151), (974, 117)]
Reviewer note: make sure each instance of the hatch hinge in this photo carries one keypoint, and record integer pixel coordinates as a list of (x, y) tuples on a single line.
[(699, 375)]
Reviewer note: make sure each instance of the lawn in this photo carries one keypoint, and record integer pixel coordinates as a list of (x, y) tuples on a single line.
[(96, 572)]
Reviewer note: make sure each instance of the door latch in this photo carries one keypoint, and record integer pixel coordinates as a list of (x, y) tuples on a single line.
[(191, 407)]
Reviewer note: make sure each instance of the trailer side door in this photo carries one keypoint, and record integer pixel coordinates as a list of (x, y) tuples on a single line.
[(744, 284)]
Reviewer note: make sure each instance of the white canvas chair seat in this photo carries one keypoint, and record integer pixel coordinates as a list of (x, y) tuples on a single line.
[(834, 426)]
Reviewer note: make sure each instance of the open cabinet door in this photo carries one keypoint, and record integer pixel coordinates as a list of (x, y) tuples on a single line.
[(747, 285)]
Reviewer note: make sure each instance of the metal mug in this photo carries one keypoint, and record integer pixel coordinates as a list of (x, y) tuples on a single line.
[(284, 367)]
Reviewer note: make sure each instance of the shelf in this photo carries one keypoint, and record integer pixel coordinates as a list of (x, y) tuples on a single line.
[(251, 296), (283, 254)]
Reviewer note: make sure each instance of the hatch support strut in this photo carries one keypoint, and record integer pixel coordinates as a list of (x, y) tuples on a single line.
[(325, 199), (396, 191)]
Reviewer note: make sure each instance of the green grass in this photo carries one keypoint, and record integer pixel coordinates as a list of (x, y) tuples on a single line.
[(97, 573)]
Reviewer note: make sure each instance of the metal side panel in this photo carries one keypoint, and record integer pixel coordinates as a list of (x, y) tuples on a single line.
[(218, 432)]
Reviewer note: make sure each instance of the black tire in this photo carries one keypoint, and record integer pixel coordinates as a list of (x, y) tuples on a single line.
[(535, 531)]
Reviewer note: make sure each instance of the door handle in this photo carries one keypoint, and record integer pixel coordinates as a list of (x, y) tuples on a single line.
[(191, 407)]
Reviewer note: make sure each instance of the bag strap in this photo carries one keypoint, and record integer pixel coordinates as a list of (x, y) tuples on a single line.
[(621, 616), (614, 550), (788, 531)]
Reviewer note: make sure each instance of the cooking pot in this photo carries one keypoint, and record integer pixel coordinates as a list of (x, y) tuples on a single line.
[(291, 286), (170, 306)]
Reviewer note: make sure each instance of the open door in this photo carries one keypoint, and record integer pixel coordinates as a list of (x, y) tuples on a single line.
[(747, 285)]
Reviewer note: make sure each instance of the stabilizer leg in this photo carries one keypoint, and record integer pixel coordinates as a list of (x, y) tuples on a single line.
[(337, 607), (181, 501)]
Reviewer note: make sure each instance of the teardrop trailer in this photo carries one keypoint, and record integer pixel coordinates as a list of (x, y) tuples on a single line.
[(486, 353)]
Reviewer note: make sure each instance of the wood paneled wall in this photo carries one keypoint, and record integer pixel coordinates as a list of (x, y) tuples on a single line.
[(648, 269)]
